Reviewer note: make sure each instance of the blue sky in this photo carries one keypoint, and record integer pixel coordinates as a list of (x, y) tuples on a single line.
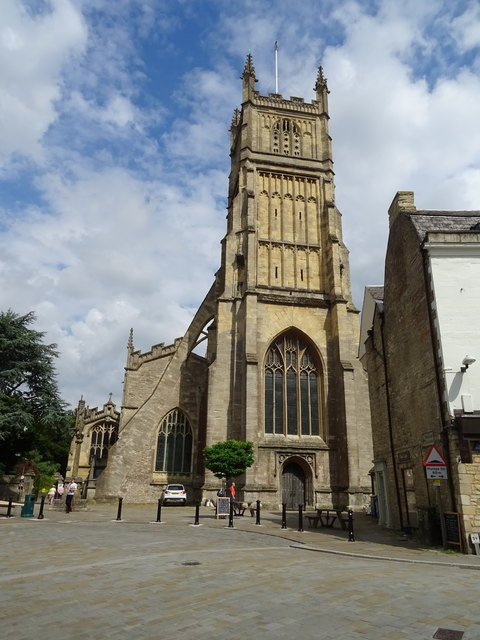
[(114, 148)]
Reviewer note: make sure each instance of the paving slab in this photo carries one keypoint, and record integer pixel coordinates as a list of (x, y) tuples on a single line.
[(86, 575)]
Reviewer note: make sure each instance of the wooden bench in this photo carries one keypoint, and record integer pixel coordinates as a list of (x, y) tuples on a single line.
[(313, 520), (239, 508)]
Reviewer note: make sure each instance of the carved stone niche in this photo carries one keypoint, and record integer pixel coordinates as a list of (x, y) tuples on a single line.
[(309, 457)]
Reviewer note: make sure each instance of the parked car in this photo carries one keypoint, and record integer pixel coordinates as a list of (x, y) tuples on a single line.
[(174, 493)]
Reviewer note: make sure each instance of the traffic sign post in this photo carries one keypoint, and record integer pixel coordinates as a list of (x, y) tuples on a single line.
[(434, 458), (436, 470), (437, 473)]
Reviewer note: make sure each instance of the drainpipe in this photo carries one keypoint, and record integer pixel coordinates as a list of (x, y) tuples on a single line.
[(389, 415)]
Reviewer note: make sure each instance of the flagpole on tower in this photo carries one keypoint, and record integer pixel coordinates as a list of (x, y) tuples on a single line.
[(276, 67)]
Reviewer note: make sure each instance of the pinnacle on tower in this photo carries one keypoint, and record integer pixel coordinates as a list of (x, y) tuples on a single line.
[(235, 119), (321, 82), (249, 69), (249, 79), (322, 91)]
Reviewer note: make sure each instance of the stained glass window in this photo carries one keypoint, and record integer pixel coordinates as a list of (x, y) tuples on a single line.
[(174, 444), (292, 388)]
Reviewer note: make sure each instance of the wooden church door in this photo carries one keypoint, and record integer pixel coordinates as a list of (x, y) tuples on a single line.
[(293, 485)]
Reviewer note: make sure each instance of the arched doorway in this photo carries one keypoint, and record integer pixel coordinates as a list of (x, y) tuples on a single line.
[(293, 485)]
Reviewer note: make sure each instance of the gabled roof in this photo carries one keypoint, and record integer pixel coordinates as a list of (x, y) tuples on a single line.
[(372, 299), (376, 292), (447, 221)]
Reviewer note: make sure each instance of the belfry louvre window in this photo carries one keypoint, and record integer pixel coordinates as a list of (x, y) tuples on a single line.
[(174, 444), (291, 388), (286, 137)]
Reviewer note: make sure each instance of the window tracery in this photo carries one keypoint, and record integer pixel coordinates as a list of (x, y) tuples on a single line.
[(292, 388), (102, 437), (174, 444)]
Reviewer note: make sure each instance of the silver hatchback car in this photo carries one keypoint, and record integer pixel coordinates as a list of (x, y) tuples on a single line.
[(174, 493)]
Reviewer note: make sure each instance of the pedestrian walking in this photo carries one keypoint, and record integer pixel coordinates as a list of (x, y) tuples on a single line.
[(231, 492), (72, 487), (51, 495)]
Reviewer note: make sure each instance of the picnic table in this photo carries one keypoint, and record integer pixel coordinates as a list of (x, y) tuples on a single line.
[(327, 518)]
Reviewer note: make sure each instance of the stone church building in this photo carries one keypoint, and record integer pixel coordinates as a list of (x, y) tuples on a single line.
[(281, 333)]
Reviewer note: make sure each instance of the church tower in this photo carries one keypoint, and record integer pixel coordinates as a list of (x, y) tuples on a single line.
[(280, 368), (286, 374)]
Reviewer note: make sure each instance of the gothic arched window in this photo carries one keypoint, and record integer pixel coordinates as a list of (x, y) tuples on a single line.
[(103, 436), (174, 444), (292, 388)]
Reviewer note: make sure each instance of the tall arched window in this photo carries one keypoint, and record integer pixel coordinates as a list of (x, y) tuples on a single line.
[(174, 444), (292, 388), (103, 436)]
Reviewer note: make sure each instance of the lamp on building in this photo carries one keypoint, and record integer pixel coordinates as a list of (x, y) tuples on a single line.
[(466, 362)]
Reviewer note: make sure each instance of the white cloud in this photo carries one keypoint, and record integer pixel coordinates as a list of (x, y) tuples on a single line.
[(466, 28), (121, 225), (33, 52)]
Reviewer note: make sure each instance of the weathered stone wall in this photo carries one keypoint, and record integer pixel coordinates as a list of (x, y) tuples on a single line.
[(407, 382), (130, 472), (411, 368)]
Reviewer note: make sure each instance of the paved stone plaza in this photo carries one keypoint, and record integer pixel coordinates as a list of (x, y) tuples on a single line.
[(87, 576)]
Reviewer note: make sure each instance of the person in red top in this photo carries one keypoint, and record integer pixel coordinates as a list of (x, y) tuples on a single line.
[(231, 491)]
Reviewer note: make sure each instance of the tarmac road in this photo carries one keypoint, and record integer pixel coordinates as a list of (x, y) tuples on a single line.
[(87, 576)]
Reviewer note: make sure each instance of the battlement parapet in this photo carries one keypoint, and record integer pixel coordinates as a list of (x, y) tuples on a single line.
[(107, 411), (276, 100), (138, 358)]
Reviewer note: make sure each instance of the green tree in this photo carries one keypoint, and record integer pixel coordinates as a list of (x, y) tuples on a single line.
[(33, 416), (228, 459)]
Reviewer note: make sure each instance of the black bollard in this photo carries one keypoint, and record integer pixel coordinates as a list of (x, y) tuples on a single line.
[(300, 517), (9, 508), (197, 514), (230, 517), (40, 513), (119, 512), (284, 516), (159, 510), (258, 512), (351, 537)]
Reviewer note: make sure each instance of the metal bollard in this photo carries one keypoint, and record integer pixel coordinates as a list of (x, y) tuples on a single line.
[(9, 508), (197, 514), (119, 512), (284, 516), (351, 537), (159, 510), (258, 512), (40, 513), (230, 516), (300, 517)]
